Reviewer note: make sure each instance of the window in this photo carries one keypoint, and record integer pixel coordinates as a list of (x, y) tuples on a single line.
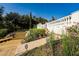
[(65, 19), (69, 17)]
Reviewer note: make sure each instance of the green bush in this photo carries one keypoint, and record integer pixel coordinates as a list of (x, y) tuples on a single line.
[(68, 45), (54, 45), (3, 32), (35, 34), (70, 42)]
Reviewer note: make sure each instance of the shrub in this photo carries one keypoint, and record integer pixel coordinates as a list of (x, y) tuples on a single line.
[(70, 42), (35, 34), (3, 32), (68, 45), (54, 45)]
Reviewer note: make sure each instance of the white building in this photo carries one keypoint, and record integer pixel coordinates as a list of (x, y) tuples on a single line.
[(59, 26)]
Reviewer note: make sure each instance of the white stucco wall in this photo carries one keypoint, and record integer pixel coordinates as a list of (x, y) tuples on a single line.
[(39, 25), (75, 17), (59, 26)]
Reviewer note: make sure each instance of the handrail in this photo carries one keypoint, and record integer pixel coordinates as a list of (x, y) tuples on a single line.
[(5, 39)]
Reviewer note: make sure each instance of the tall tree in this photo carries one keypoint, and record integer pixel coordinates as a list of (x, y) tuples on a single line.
[(30, 24), (42, 20), (53, 18), (1, 17), (12, 20), (1, 10)]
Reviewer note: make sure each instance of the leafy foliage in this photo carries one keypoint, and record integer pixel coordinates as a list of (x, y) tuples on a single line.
[(1, 17), (35, 34), (17, 22), (53, 18), (54, 44), (70, 42), (68, 45), (3, 32)]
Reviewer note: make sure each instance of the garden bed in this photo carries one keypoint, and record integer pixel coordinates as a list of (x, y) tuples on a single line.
[(35, 34)]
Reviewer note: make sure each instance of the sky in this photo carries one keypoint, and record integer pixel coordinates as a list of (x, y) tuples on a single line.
[(45, 10)]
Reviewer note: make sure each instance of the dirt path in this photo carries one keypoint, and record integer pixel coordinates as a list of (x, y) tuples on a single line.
[(8, 48)]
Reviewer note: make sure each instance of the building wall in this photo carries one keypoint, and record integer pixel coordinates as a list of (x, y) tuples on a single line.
[(59, 26)]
